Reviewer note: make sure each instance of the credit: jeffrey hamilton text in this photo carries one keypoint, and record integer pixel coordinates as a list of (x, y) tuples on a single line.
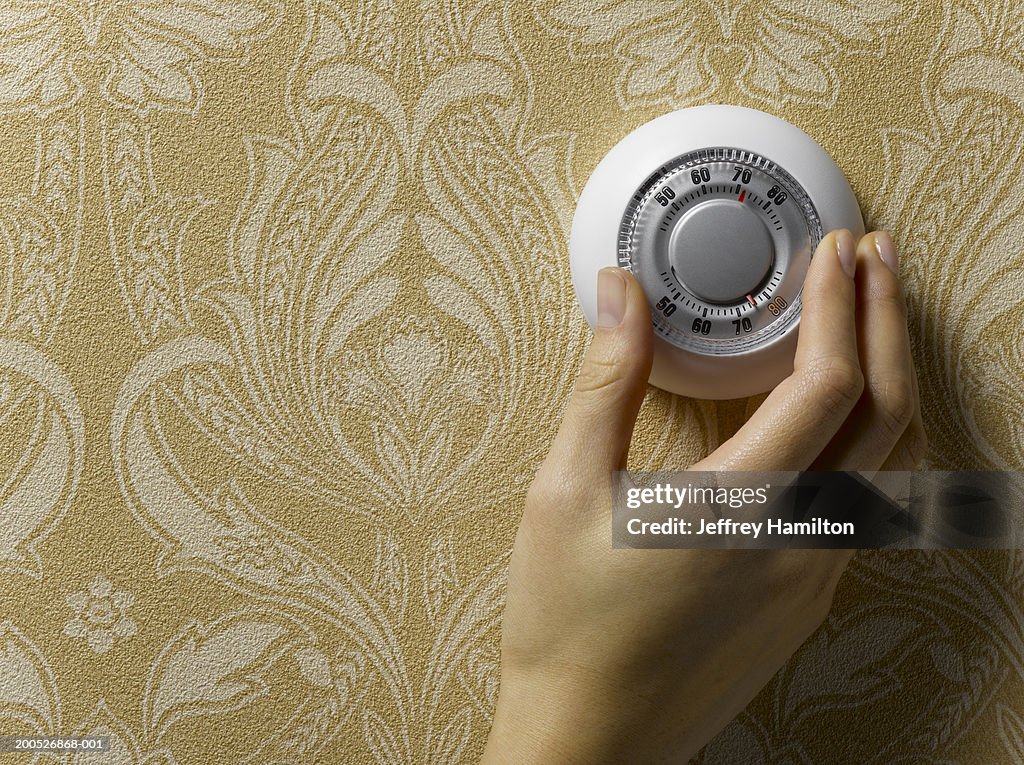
[(772, 527)]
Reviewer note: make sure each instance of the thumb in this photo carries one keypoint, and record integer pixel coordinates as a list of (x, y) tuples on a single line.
[(598, 422)]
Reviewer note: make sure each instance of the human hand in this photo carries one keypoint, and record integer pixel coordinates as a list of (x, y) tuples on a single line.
[(641, 656)]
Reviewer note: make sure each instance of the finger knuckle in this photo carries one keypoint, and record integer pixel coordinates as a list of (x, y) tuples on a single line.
[(818, 610), (887, 291), (543, 493), (821, 585), (894, 402), (823, 590), (600, 376), (811, 575), (553, 486), (836, 382), (916, 445)]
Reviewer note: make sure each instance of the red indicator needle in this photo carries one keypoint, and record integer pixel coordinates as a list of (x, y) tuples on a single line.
[(743, 194), (751, 301)]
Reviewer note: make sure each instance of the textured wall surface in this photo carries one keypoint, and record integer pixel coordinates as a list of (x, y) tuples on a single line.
[(286, 326)]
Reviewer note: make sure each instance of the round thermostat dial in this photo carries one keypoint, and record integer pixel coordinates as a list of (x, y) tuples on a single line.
[(716, 210)]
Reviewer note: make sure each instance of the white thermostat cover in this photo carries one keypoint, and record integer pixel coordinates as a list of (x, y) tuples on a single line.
[(736, 200)]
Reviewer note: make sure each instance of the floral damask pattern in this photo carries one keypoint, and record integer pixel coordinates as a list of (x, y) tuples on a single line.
[(153, 49), (100, 615), (773, 51), (286, 325)]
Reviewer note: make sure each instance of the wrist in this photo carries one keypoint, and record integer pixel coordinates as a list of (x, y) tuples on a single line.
[(534, 723), (552, 719)]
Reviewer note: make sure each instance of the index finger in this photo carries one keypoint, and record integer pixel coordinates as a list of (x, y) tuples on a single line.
[(802, 414)]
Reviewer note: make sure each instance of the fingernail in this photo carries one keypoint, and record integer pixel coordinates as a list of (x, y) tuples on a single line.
[(611, 298), (887, 251), (846, 252)]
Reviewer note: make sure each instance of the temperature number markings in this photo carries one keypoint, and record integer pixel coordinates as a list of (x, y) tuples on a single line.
[(721, 240)]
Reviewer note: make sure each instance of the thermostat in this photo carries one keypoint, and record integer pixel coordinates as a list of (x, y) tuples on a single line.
[(717, 211)]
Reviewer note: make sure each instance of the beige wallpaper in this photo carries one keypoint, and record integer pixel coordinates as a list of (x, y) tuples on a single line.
[(286, 325)]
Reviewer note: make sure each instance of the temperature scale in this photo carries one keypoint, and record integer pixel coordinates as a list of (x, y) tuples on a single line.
[(716, 210)]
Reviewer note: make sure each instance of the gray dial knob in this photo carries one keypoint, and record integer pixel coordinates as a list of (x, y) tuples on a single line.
[(721, 251), (720, 240)]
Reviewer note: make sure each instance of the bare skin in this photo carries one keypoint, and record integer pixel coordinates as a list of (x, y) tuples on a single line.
[(641, 656)]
